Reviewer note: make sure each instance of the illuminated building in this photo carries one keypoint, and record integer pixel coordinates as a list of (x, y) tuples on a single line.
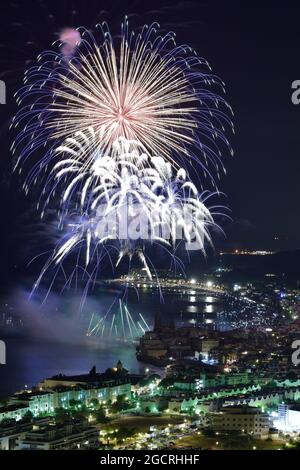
[(72, 435), (243, 419)]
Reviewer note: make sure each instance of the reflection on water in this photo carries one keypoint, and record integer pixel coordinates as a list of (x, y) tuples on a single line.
[(192, 309), (180, 306), (209, 309), (30, 360)]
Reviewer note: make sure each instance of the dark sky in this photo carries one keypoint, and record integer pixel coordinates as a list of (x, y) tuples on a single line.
[(254, 49)]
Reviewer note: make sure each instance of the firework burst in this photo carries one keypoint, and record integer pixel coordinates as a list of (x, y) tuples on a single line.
[(140, 86), (111, 130), (126, 203)]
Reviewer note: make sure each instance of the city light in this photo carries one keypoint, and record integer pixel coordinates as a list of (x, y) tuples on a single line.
[(142, 308)]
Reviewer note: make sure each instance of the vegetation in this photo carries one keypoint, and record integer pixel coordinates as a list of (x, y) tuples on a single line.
[(121, 404), (62, 415), (100, 416)]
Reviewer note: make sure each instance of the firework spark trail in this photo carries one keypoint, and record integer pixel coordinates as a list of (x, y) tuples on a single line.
[(128, 177), (145, 89), (116, 126), (126, 188)]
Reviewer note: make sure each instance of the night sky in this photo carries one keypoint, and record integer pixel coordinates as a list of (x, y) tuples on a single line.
[(254, 49)]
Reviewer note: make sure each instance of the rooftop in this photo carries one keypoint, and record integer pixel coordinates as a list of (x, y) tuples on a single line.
[(117, 375)]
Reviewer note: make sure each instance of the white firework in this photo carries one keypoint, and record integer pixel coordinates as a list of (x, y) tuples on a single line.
[(144, 89), (129, 201)]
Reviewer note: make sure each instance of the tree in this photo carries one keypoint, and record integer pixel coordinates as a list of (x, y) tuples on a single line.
[(121, 403), (74, 403), (125, 433), (94, 402), (81, 413), (191, 410), (101, 417), (162, 406), (61, 415), (7, 421), (208, 432), (28, 415), (292, 376)]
